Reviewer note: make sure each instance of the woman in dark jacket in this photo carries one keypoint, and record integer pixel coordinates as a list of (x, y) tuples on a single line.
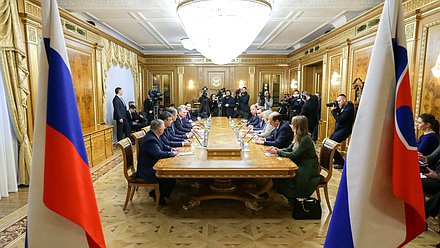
[(302, 153)]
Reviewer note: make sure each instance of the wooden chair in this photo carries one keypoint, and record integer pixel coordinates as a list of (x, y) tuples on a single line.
[(326, 153), (133, 182), (146, 129), (138, 137)]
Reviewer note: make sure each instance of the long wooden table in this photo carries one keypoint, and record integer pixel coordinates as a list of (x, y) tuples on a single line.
[(223, 168)]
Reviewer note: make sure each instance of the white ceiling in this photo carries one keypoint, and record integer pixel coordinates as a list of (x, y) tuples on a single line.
[(153, 26)]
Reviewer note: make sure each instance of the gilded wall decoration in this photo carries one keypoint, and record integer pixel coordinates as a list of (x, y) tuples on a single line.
[(113, 54)]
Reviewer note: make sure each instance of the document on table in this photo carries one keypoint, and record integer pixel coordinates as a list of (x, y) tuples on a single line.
[(270, 154), (185, 153)]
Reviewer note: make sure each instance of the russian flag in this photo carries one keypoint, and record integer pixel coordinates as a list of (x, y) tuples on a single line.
[(62, 208), (380, 200)]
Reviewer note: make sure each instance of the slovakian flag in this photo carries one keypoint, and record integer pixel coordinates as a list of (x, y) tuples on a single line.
[(62, 208), (380, 200)]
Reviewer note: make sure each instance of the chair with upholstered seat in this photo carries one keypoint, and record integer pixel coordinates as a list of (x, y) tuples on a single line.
[(326, 154), (134, 182)]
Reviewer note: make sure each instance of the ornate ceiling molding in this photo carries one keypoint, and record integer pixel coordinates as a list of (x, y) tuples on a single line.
[(205, 61)]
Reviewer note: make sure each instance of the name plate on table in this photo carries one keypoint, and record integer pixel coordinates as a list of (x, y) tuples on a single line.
[(222, 141)]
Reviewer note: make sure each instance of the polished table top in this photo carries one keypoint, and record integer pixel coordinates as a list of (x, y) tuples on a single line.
[(252, 164)]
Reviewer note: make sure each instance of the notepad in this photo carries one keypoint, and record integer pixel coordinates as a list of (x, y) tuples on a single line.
[(185, 153)]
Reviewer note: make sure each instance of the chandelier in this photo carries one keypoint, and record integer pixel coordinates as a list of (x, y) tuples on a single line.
[(223, 29)]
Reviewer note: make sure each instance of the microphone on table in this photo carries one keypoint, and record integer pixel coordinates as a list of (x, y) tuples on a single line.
[(252, 138), (198, 140), (196, 134), (246, 133), (241, 126)]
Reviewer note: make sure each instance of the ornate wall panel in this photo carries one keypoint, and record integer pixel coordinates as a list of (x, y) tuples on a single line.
[(429, 86), (82, 75)]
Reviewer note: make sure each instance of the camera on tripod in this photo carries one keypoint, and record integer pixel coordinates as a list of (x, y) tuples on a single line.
[(155, 96), (332, 104)]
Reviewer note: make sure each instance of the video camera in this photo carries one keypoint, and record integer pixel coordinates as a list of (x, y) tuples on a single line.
[(155, 96), (220, 94), (261, 93), (205, 91), (332, 104)]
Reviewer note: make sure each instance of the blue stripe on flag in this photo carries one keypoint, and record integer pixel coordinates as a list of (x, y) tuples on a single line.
[(62, 111), (339, 232), (400, 58), (406, 127)]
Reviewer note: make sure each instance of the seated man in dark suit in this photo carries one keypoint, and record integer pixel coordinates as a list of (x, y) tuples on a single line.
[(259, 126), (282, 136), (180, 124), (191, 115), (254, 118), (173, 130), (134, 119), (151, 150), (166, 138)]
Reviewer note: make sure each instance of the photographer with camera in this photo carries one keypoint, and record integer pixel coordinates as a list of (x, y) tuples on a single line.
[(214, 105), (295, 103), (343, 112), (205, 105), (243, 103), (228, 105), (283, 109)]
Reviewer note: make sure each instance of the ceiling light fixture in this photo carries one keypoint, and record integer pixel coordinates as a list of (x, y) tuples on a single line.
[(223, 29)]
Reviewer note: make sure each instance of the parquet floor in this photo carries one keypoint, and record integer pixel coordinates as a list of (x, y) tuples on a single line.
[(216, 223)]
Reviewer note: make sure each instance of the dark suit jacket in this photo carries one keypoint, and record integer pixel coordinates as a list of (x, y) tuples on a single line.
[(281, 137), (179, 125), (344, 122), (119, 109), (243, 102), (171, 135), (185, 121), (151, 150), (165, 139), (310, 110), (228, 111), (260, 125), (176, 131), (253, 120)]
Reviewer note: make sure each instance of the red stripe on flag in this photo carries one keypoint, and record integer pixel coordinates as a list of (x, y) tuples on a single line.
[(68, 188), (404, 92), (408, 187)]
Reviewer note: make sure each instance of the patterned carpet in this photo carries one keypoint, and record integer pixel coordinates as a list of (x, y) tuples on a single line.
[(215, 223)]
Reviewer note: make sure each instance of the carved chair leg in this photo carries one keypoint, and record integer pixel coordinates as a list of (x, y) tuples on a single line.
[(327, 199), (132, 192), (157, 191), (318, 194), (127, 197)]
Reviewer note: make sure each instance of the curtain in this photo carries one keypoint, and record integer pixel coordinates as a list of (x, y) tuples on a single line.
[(14, 68), (8, 174)]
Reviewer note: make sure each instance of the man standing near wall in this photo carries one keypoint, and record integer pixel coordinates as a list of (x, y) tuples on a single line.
[(120, 114)]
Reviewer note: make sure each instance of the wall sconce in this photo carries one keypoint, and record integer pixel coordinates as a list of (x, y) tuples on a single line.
[(436, 69), (241, 84), (191, 84), (294, 84), (336, 79)]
